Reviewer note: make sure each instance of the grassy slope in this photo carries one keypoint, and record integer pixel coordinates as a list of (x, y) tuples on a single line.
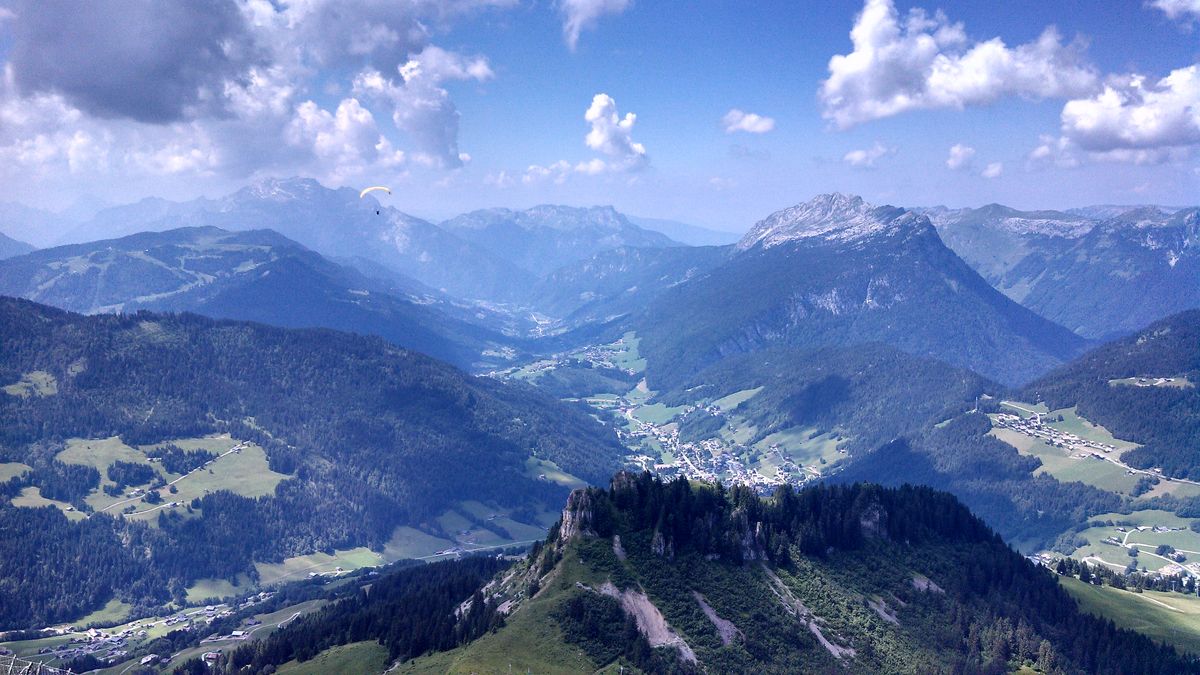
[(1178, 624), (359, 658)]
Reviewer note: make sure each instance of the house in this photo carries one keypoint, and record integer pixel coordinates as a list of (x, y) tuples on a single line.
[(147, 660), (212, 656)]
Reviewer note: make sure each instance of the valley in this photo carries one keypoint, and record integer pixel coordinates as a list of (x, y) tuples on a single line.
[(651, 430)]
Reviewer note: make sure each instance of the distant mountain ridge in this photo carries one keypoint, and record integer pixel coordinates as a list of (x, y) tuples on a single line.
[(10, 247), (685, 233), (544, 238), (837, 270), (257, 275), (1099, 277)]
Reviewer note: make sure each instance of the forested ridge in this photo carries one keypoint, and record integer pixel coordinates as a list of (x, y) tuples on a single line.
[(373, 436), (687, 576)]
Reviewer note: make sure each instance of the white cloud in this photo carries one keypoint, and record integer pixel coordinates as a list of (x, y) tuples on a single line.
[(1132, 113), (612, 135), (960, 157), (501, 179), (927, 62), (737, 120), (421, 106), (993, 170), (346, 141), (1054, 151), (556, 172), (580, 15), (252, 115), (866, 159), (1178, 9)]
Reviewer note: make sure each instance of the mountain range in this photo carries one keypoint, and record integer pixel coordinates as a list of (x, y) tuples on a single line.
[(1102, 271)]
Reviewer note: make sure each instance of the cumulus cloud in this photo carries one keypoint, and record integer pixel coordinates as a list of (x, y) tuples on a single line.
[(993, 170), (925, 61), (737, 120), (228, 88), (960, 157), (422, 106), (1133, 113), (1178, 9), (347, 139), (148, 61), (581, 15), (866, 159), (612, 135)]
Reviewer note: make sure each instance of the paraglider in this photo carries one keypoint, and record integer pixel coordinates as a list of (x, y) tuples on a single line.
[(372, 189)]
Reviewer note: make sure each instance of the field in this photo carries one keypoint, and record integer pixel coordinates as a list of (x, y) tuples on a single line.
[(10, 470), (657, 413), (294, 569), (36, 383), (732, 401), (1173, 618), (625, 353), (1074, 424), (269, 622), (535, 467), (805, 446), (358, 658), (112, 613), (244, 472), (31, 497), (1059, 463), (1180, 536), (205, 589)]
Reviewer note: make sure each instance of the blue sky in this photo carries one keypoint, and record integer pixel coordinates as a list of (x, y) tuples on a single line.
[(471, 103)]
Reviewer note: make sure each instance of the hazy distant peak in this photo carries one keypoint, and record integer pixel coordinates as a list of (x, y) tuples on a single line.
[(832, 217), (544, 215), (282, 189)]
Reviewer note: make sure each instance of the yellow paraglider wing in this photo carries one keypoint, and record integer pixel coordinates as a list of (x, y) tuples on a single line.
[(374, 188)]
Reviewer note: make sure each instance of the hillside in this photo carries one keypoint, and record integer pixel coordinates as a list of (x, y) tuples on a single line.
[(679, 577), (619, 282), (1143, 388), (256, 275), (544, 238), (839, 271), (341, 440), (10, 247)]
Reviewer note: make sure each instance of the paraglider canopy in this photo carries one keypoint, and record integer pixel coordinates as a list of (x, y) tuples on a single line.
[(373, 189)]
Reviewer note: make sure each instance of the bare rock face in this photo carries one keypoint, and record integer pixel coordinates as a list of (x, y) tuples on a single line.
[(873, 522), (662, 547), (579, 516)]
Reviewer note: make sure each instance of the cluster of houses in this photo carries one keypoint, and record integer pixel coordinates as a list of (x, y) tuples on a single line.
[(1034, 426)]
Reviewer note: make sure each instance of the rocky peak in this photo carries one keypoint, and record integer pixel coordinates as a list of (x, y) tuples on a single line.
[(830, 217), (579, 515)]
